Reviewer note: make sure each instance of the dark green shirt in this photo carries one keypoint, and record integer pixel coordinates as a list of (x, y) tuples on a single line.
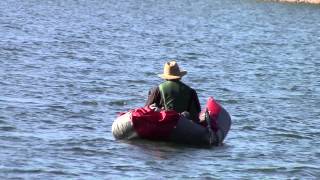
[(177, 96)]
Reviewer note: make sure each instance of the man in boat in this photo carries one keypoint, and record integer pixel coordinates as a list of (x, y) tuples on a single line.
[(173, 94)]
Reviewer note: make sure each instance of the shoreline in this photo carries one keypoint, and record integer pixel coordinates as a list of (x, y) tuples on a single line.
[(301, 1)]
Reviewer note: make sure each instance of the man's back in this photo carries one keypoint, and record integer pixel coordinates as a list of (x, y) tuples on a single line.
[(176, 95)]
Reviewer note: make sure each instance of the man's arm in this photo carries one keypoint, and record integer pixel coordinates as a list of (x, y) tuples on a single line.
[(154, 97), (194, 106)]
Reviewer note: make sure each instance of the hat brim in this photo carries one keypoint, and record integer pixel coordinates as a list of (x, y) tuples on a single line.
[(171, 77)]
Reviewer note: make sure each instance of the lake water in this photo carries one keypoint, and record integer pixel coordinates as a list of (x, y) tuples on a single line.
[(67, 67)]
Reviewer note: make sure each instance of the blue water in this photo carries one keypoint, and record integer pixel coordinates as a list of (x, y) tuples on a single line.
[(68, 67)]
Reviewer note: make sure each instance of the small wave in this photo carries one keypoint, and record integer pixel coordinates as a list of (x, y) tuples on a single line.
[(305, 166), (87, 127), (168, 44), (11, 138), (224, 89), (86, 152), (279, 129), (36, 171), (4, 83), (307, 169), (248, 127), (7, 128), (2, 122), (89, 103), (195, 54), (267, 169), (86, 59), (137, 81), (230, 101), (259, 74), (82, 126), (79, 142), (199, 80), (192, 57), (57, 107), (150, 74), (118, 103), (294, 88), (200, 66), (125, 168), (49, 122), (294, 136), (313, 134), (22, 171), (12, 49), (77, 149)]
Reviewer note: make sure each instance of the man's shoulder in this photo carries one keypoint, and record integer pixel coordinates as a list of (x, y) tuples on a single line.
[(179, 83), (187, 86), (154, 89), (193, 91)]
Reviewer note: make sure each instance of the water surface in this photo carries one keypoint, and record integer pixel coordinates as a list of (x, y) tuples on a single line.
[(68, 67)]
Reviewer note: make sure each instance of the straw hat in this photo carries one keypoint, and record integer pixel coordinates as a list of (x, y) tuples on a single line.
[(171, 70)]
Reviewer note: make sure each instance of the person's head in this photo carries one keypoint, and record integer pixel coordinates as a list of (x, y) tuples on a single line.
[(171, 71)]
